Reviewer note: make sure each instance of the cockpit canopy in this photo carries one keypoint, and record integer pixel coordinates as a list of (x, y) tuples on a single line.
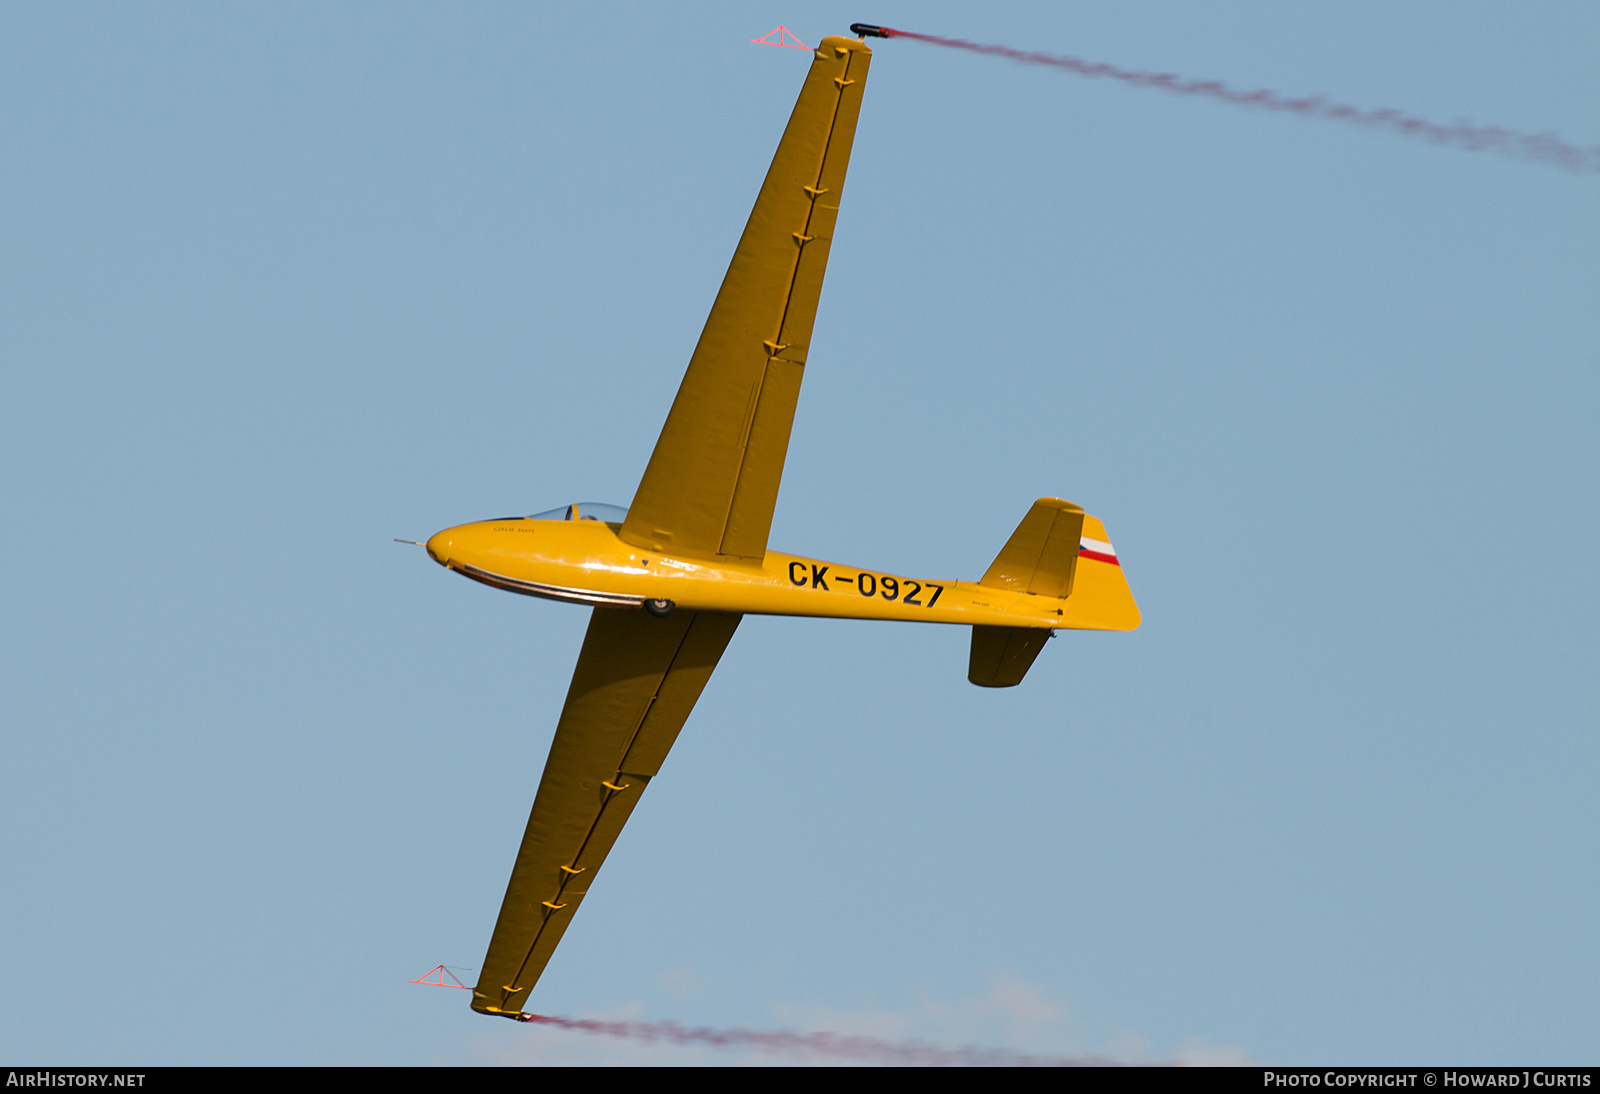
[(585, 510)]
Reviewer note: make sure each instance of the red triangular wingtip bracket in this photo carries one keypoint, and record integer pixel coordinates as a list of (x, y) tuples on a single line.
[(780, 36), (436, 978)]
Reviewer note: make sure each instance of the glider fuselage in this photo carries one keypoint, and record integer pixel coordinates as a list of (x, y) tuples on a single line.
[(585, 561)]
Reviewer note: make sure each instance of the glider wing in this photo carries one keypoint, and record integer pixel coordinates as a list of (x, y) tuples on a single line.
[(637, 679), (712, 482)]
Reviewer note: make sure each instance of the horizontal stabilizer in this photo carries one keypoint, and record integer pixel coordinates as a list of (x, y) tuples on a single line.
[(1001, 656), (1042, 554)]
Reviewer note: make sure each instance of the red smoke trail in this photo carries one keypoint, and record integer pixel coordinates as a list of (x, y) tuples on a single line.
[(1540, 148), (868, 1049)]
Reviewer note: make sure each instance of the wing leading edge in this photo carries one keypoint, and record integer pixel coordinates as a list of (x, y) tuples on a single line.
[(637, 679), (712, 481)]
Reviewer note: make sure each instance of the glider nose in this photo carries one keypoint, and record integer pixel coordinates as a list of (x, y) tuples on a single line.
[(439, 547)]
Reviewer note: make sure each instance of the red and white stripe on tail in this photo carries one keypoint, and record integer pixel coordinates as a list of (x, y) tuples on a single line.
[(1097, 549)]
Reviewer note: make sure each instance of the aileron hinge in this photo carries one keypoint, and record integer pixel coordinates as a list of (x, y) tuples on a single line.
[(574, 870), (803, 239), (775, 348), (815, 191), (553, 907), (614, 786)]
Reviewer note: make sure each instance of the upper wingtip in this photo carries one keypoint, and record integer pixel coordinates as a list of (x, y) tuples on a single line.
[(840, 44)]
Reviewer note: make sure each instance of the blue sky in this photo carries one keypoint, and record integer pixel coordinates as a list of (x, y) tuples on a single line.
[(286, 281)]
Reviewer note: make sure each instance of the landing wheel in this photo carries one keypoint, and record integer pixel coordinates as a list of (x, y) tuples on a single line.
[(659, 608)]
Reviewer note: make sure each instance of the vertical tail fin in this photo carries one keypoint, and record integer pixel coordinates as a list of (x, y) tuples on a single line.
[(1042, 558), (1101, 599)]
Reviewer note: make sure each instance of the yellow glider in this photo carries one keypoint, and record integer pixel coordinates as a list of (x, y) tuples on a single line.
[(691, 551)]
